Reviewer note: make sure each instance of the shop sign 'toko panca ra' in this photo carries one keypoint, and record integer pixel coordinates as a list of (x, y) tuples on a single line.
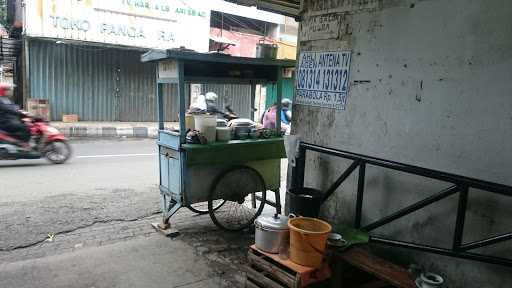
[(323, 79), (160, 24)]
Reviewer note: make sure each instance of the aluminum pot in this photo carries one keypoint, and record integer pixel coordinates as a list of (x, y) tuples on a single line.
[(272, 233), (267, 51)]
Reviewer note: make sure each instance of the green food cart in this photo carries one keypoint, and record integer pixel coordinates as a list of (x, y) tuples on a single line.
[(229, 180)]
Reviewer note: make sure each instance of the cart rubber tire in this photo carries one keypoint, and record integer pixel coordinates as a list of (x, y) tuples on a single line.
[(206, 211), (217, 181)]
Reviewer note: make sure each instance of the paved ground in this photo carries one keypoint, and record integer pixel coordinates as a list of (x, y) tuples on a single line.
[(123, 264), (86, 224)]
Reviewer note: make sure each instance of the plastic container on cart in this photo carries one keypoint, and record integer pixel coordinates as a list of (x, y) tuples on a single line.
[(222, 123), (305, 202), (223, 134), (189, 122), (207, 125)]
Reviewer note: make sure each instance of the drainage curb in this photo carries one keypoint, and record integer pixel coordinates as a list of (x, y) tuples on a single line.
[(109, 131)]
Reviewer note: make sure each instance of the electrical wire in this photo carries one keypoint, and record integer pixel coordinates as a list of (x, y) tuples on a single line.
[(232, 19), (237, 22)]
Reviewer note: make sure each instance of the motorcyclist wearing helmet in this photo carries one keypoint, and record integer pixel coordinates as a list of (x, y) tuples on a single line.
[(10, 115), (211, 106)]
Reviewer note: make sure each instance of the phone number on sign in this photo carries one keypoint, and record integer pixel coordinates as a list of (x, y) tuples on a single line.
[(323, 99), (334, 80)]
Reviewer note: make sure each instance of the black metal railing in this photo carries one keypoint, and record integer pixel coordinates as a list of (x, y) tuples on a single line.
[(460, 185)]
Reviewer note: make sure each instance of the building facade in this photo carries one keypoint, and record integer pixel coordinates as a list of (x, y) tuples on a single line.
[(84, 56), (429, 85)]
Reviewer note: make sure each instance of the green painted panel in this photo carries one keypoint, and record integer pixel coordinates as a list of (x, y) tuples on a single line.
[(199, 178), (270, 170), (288, 92), (234, 152)]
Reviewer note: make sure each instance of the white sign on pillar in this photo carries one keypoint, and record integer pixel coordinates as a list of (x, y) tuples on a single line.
[(159, 24), (323, 79), (168, 69), (321, 27)]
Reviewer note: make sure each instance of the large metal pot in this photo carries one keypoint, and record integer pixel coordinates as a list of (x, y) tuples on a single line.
[(267, 51), (272, 233)]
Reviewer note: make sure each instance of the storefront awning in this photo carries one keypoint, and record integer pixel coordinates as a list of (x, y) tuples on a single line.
[(223, 40), (285, 7)]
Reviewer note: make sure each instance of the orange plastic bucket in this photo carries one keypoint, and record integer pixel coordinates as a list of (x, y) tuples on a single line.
[(308, 238)]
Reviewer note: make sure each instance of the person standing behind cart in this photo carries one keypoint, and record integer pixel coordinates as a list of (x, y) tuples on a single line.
[(269, 117), (286, 111)]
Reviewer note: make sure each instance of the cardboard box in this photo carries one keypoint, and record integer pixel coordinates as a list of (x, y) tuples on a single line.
[(69, 118), (39, 108)]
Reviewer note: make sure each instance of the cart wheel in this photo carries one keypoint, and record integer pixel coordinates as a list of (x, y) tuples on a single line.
[(236, 188), (202, 207)]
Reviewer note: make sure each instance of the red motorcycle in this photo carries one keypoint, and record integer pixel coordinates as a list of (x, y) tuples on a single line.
[(46, 142)]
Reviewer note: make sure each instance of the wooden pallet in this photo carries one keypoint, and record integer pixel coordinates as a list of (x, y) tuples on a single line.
[(267, 270), (385, 273)]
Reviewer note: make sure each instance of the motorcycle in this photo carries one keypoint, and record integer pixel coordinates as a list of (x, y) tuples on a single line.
[(230, 114), (46, 142)]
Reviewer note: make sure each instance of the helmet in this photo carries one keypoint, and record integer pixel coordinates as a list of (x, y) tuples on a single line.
[(5, 88), (211, 96), (286, 102)]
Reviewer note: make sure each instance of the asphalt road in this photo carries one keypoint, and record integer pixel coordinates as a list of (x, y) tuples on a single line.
[(97, 166), (105, 180)]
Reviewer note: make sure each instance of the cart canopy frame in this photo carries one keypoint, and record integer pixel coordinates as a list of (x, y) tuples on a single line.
[(177, 66)]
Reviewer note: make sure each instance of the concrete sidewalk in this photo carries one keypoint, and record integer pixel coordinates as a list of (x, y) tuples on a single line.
[(128, 253), (154, 261), (110, 129)]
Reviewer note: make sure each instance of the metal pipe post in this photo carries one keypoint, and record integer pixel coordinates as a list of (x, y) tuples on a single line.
[(486, 242), (340, 180), (412, 208), (26, 71), (360, 193), (160, 104), (443, 176), (298, 171), (442, 251), (253, 101), (461, 217), (182, 102), (279, 94)]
